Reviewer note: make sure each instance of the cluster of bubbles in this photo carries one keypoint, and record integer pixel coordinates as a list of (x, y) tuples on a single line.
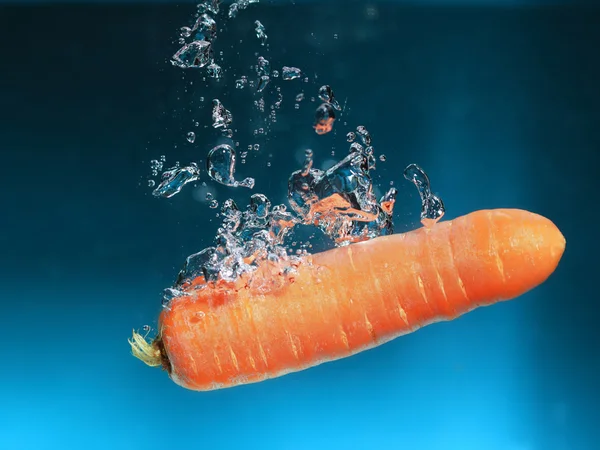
[(340, 201)]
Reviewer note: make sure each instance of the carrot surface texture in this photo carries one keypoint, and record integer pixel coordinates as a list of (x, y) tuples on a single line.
[(349, 299)]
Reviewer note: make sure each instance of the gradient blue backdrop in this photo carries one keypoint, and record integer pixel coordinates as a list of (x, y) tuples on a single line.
[(500, 104)]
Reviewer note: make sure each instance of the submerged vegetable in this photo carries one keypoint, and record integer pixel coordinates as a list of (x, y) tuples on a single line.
[(343, 301)]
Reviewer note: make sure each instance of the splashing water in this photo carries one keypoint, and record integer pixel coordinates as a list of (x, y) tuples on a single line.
[(340, 201), (432, 207)]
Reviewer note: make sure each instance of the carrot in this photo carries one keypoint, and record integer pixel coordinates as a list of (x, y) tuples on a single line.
[(350, 299)]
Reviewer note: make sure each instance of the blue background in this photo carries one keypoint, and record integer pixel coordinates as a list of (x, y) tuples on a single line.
[(499, 102)]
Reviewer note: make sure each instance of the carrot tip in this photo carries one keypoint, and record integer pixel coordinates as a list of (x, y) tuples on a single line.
[(147, 352)]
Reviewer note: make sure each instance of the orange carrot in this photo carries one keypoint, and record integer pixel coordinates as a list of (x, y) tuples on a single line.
[(350, 299)]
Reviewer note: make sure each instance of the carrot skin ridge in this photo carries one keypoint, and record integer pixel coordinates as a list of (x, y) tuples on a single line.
[(353, 298)]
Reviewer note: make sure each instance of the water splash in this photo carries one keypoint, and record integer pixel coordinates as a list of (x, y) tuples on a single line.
[(340, 201)]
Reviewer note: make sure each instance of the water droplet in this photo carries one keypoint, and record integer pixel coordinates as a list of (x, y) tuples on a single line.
[(195, 55), (432, 207), (324, 118), (290, 73), (191, 137)]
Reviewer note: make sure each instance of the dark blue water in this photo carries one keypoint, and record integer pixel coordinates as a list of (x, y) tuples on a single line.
[(500, 105)]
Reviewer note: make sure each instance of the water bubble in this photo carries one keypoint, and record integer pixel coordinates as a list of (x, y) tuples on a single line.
[(324, 118), (260, 205), (156, 165), (297, 106), (256, 147), (326, 95), (205, 28), (213, 204), (300, 97), (220, 165), (335, 36), (211, 6), (382, 158), (185, 32), (151, 183), (214, 71), (290, 73), (432, 207), (263, 67), (146, 328), (276, 74), (191, 137), (221, 117), (195, 55), (174, 179), (209, 196), (260, 32), (241, 83), (350, 136), (364, 135), (233, 10), (262, 83), (163, 158)]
